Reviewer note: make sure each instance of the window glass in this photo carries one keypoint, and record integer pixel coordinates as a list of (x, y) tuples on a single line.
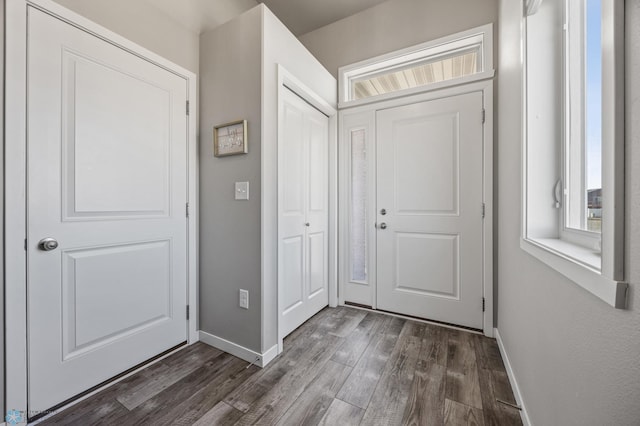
[(462, 57), (583, 136), (593, 108), (358, 228), (429, 71)]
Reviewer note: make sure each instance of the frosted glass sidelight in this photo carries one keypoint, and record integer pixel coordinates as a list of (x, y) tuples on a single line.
[(358, 228)]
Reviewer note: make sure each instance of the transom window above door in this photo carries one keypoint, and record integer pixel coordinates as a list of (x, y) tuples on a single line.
[(455, 59)]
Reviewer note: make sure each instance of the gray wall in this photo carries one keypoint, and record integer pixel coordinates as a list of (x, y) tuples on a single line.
[(575, 358), (393, 25), (144, 25), (230, 255)]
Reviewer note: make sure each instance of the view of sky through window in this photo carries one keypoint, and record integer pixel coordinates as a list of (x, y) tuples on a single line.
[(594, 95)]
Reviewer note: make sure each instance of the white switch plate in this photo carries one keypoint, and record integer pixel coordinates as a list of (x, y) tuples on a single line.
[(242, 190), (244, 299)]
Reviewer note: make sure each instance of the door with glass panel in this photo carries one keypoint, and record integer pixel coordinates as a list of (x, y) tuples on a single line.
[(415, 231)]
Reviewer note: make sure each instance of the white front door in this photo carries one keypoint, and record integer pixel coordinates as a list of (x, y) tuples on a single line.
[(107, 180), (430, 211), (303, 196)]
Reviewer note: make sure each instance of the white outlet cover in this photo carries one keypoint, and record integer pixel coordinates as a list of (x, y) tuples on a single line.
[(243, 299)]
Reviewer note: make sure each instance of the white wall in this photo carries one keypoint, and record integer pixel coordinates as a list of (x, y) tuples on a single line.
[(393, 25), (144, 25), (576, 359)]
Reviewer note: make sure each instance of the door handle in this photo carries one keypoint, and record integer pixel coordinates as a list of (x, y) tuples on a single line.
[(307, 224), (48, 244), (383, 225)]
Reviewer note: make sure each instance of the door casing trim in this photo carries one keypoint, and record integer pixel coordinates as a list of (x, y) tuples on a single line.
[(486, 88), (15, 225)]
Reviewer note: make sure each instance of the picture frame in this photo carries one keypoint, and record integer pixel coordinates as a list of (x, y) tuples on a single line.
[(230, 139)]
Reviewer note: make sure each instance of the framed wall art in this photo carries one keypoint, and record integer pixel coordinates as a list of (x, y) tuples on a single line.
[(230, 139)]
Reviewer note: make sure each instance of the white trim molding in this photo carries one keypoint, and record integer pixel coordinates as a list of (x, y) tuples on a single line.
[(15, 180), (253, 357), (524, 415)]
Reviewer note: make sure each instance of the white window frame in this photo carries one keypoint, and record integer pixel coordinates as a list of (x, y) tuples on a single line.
[(567, 253), (480, 36)]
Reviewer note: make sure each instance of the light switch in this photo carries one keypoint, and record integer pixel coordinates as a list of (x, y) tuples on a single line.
[(242, 190)]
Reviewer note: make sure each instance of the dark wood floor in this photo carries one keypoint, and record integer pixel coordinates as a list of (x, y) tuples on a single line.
[(343, 367)]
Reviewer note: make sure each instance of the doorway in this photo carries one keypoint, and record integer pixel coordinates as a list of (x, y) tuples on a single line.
[(303, 219), (101, 278), (415, 184)]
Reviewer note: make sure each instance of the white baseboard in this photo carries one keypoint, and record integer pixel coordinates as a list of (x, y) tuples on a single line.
[(512, 379), (269, 355), (261, 360)]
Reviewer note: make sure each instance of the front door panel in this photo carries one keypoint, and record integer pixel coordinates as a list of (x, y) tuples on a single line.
[(429, 181)]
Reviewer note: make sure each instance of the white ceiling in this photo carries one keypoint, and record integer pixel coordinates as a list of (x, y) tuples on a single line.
[(300, 16), (202, 15)]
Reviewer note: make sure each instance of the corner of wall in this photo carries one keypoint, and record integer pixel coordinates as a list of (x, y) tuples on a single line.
[(230, 255)]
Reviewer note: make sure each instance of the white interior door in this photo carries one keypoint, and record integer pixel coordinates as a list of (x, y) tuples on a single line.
[(303, 212), (430, 186), (107, 179)]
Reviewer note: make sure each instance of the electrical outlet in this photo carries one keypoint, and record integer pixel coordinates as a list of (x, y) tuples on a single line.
[(244, 299)]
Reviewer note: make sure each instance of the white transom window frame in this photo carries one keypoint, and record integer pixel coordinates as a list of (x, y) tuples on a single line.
[(480, 38), (570, 258)]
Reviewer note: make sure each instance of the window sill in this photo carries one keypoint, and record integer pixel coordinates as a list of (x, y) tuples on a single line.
[(580, 265)]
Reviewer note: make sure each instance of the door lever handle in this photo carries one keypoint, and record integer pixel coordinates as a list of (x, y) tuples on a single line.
[(383, 225)]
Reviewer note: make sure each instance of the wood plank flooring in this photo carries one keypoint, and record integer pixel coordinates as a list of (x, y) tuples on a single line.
[(342, 367)]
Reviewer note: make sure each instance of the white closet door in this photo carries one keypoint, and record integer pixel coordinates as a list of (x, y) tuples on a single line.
[(429, 197), (303, 212), (107, 179)]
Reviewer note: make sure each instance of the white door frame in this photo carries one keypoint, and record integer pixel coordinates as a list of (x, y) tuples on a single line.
[(287, 81), (486, 87), (16, 177)]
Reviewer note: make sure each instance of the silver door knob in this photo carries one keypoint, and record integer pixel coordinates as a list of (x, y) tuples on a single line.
[(383, 225), (48, 244), (383, 212), (307, 224)]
